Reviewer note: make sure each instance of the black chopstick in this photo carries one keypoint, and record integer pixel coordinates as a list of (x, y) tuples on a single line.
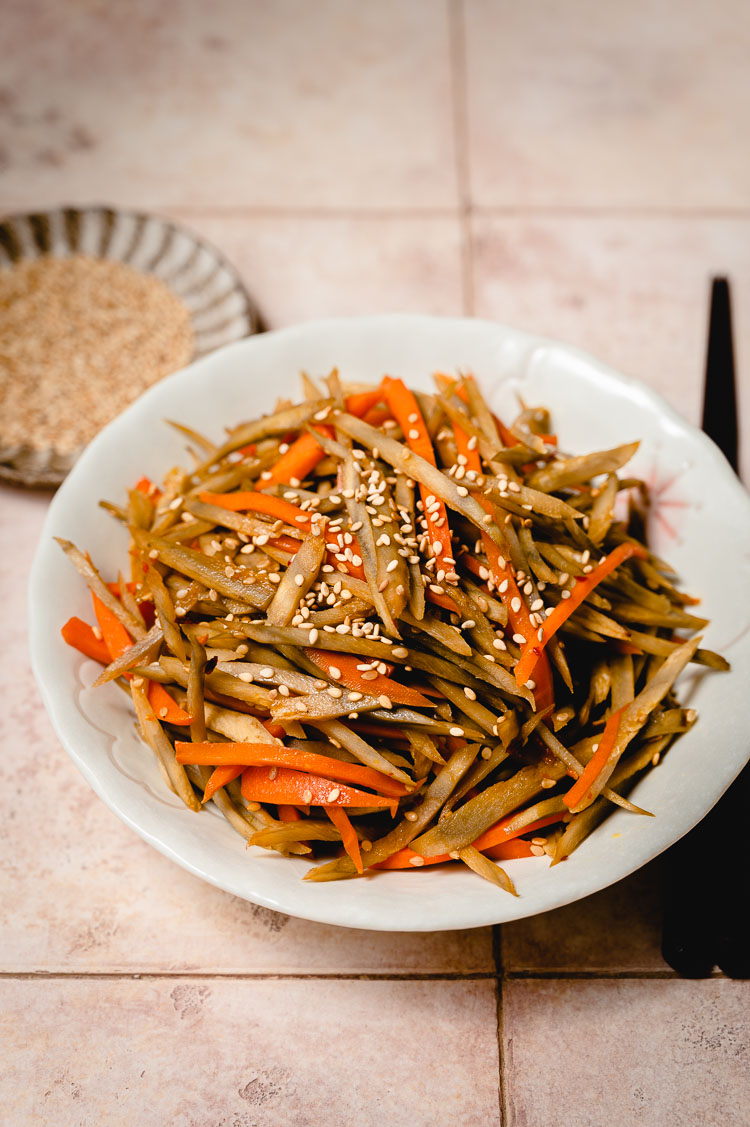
[(705, 887)]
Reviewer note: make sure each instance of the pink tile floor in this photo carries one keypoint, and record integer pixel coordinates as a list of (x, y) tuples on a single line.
[(577, 169)]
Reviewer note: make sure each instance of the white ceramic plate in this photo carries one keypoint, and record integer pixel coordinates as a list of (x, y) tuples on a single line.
[(702, 525)]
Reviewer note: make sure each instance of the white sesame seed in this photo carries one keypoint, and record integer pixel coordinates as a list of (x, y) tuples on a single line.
[(519, 638), (400, 651), (456, 731), (469, 693), (335, 692), (307, 798)]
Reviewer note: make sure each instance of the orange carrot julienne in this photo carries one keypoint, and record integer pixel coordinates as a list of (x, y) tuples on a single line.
[(285, 785), (361, 402), (300, 459), (407, 859), (343, 668), (562, 612), (405, 408), (505, 583), (246, 501), (378, 415), (509, 850), (118, 640), (145, 485), (116, 637), (304, 454), (275, 755), (579, 796), (81, 636), (220, 776), (501, 832), (274, 729), (292, 546), (349, 837), (288, 813)]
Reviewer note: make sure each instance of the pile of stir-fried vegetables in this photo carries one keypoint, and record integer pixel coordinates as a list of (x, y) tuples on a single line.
[(380, 627)]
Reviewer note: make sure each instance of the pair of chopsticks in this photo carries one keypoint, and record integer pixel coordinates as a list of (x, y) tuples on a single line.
[(705, 886)]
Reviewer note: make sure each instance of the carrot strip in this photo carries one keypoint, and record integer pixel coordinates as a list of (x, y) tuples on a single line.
[(274, 729), (275, 755), (289, 813), (562, 612), (579, 796), (219, 778), (118, 640), (300, 459), (245, 501), (343, 668), (284, 785), (81, 637), (509, 850), (361, 402), (349, 837), (378, 415), (501, 833), (407, 859), (289, 544), (145, 485), (116, 637), (405, 408), (505, 583)]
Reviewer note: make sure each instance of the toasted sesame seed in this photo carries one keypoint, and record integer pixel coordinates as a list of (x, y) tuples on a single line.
[(456, 731), (307, 798), (468, 624), (417, 862), (299, 580), (469, 693), (385, 702), (515, 604), (565, 595), (400, 651), (547, 783), (335, 692), (246, 677), (410, 816), (519, 638), (537, 850)]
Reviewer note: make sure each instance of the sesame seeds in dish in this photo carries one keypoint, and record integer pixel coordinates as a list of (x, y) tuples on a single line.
[(381, 629)]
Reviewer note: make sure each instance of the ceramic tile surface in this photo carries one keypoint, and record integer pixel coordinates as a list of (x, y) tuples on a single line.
[(586, 104), (632, 291), (243, 103), (249, 1054), (636, 1052), (578, 170), (344, 265)]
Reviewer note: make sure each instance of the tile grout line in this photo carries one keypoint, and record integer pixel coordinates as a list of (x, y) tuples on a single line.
[(459, 101), (497, 957), (495, 975), (423, 212)]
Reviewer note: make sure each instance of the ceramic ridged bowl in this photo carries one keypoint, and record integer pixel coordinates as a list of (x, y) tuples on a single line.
[(701, 525), (220, 308)]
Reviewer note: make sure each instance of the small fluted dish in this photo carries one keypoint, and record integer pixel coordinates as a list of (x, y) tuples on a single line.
[(220, 309)]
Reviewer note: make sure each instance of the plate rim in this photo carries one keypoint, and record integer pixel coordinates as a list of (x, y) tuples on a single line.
[(529, 341)]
